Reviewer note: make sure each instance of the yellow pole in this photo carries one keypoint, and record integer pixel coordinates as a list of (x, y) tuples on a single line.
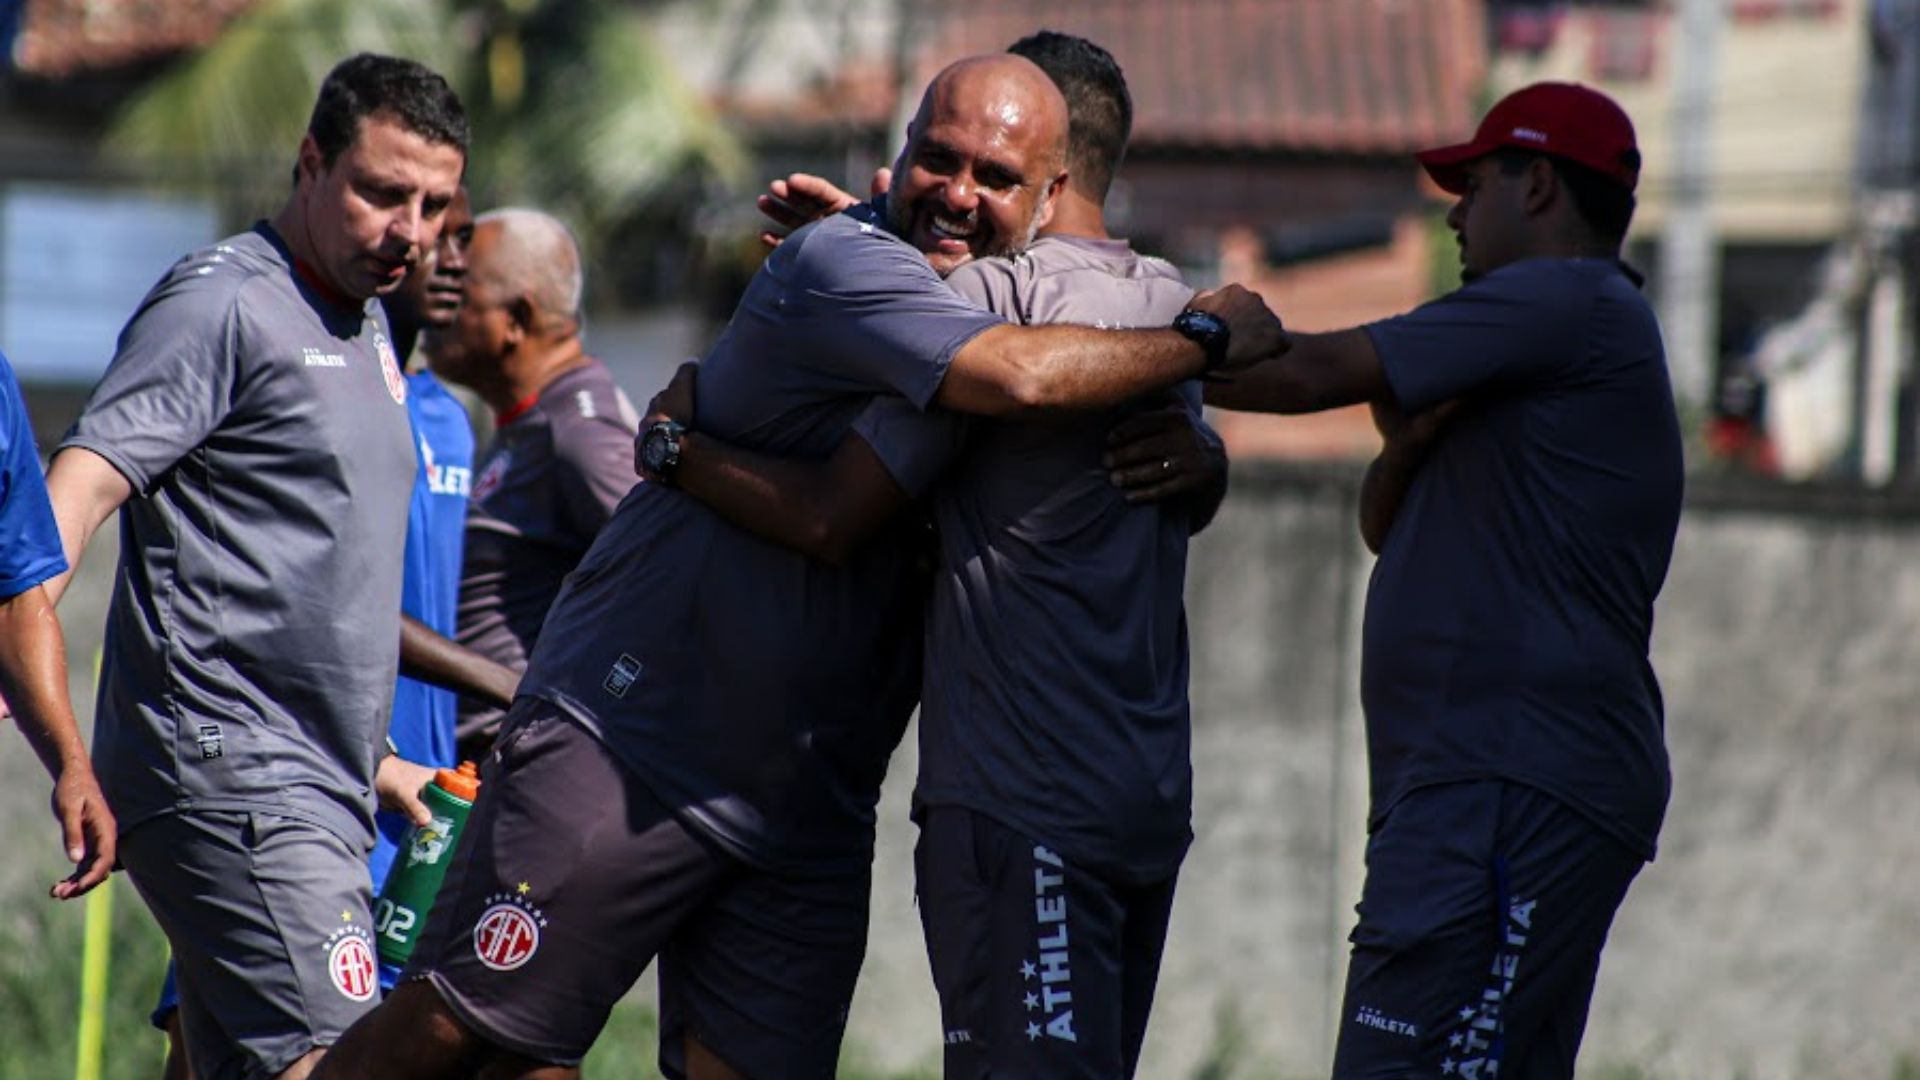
[(94, 955), (93, 982)]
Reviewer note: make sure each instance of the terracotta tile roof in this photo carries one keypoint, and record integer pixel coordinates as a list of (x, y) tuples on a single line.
[(59, 38), (1331, 76)]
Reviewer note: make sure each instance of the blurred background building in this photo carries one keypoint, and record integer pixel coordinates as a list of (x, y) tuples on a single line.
[(1774, 938)]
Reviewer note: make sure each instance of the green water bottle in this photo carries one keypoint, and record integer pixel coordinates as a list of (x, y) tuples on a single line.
[(421, 863)]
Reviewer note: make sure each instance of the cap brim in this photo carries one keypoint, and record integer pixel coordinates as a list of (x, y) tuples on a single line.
[(1448, 164)]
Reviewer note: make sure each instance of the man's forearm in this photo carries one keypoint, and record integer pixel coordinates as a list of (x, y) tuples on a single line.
[(33, 677), (1320, 371), (432, 658), (1017, 369), (821, 509)]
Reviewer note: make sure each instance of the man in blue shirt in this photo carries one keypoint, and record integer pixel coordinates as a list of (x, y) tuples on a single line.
[(33, 665), (1514, 723)]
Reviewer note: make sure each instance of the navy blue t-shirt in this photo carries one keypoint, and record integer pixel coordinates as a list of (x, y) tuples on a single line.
[(1508, 618)]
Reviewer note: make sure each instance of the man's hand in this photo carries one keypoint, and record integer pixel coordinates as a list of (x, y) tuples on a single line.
[(1254, 331), (87, 828), (803, 198), (1159, 454), (397, 784)]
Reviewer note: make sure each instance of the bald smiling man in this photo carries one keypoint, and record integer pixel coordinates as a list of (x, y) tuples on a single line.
[(692, 767)]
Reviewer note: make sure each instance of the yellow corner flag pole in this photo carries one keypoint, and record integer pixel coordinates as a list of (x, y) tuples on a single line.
[(94, 955), (93, 982)]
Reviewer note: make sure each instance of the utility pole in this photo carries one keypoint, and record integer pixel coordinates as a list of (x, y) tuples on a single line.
[(1689, 249), (1888, 155)]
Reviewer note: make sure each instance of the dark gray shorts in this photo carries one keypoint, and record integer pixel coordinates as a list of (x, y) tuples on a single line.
[(1481, 923), (269, 919), (1042, 968), (571, 877)]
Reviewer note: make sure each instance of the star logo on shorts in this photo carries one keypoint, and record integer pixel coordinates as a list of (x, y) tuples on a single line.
[(1027, 970), (1033, 1031), (1032, 1002)]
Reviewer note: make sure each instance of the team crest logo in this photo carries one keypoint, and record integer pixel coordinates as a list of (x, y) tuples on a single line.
[(493, 475), (508, 932), (350, 963), (390, 369)]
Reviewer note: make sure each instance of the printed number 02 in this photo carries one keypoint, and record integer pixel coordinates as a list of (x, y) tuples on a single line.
[(392, 921)]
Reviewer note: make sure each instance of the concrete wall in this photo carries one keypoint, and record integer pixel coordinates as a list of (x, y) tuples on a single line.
[(1778, 935)]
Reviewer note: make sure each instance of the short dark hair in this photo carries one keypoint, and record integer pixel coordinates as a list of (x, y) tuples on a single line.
[(1099, 109), (1605, 204), (368, 84)]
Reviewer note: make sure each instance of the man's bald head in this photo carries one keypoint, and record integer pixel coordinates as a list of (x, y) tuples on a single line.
[(532, 254), (985, 159)]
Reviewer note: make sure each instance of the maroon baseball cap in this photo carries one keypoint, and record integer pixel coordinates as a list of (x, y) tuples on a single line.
[(1566, 120)]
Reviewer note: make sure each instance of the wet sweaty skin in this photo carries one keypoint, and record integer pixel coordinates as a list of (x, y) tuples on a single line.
[(983, 161)]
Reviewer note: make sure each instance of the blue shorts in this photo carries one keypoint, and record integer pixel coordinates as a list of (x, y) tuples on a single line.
[(1043, 968), (1481, 923)]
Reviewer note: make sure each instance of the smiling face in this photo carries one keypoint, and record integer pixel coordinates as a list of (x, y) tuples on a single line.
[(372, 214), (983, 162)]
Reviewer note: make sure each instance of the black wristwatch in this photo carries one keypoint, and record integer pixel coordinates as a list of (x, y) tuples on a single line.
[(1206, 330), (660, 448)]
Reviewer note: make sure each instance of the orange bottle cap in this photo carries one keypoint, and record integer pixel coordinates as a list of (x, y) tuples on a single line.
[(461, 783)]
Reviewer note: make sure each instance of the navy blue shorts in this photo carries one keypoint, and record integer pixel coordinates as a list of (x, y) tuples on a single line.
[(1043, 969), (1481, 923)]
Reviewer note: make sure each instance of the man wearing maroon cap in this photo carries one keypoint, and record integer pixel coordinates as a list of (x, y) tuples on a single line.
[(1514, 724)]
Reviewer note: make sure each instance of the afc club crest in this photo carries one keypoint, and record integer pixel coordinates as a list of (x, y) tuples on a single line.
[(390, 369), (351, 966), (508, 932)]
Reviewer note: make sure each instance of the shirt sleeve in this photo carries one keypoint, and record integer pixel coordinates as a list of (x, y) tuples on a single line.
[(886, 321), (171, 381), (30, 551), (1505, 331), (594, 471), (915, 446)]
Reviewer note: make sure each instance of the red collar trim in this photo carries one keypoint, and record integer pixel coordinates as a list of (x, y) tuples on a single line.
[(519, 409)]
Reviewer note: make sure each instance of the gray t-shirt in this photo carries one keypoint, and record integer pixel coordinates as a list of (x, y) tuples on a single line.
[(757, 691), (1056, 655), (253, 635), (545, 486)]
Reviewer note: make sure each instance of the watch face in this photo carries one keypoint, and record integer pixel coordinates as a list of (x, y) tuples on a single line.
[(654, 449)]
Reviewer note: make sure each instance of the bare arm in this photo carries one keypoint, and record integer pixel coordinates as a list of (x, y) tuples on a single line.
[(431, 658), (33, 677), (1391, 474), (1320, 371), (85, 489), (1014, 369), (822, 509)]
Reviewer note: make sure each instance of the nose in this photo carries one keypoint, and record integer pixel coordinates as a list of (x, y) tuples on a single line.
[(453, 251), (1457, 217), (962, 193), (407, 224)]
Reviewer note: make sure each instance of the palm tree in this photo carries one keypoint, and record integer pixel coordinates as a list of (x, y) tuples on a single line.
[(573, 105)]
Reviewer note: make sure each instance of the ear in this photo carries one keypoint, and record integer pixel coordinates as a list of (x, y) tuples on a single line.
[(310, 163), (521, 313), (1051, 200), (1542, 186)]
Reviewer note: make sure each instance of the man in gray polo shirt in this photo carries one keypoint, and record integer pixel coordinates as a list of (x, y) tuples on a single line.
[(692, 767), (562, 450), (252, 428), (1055, 789)]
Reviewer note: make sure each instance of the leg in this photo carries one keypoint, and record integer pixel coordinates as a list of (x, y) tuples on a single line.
[(268, 920), (1143, 943), (567, 878), (1027, 953), (758, 984)]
